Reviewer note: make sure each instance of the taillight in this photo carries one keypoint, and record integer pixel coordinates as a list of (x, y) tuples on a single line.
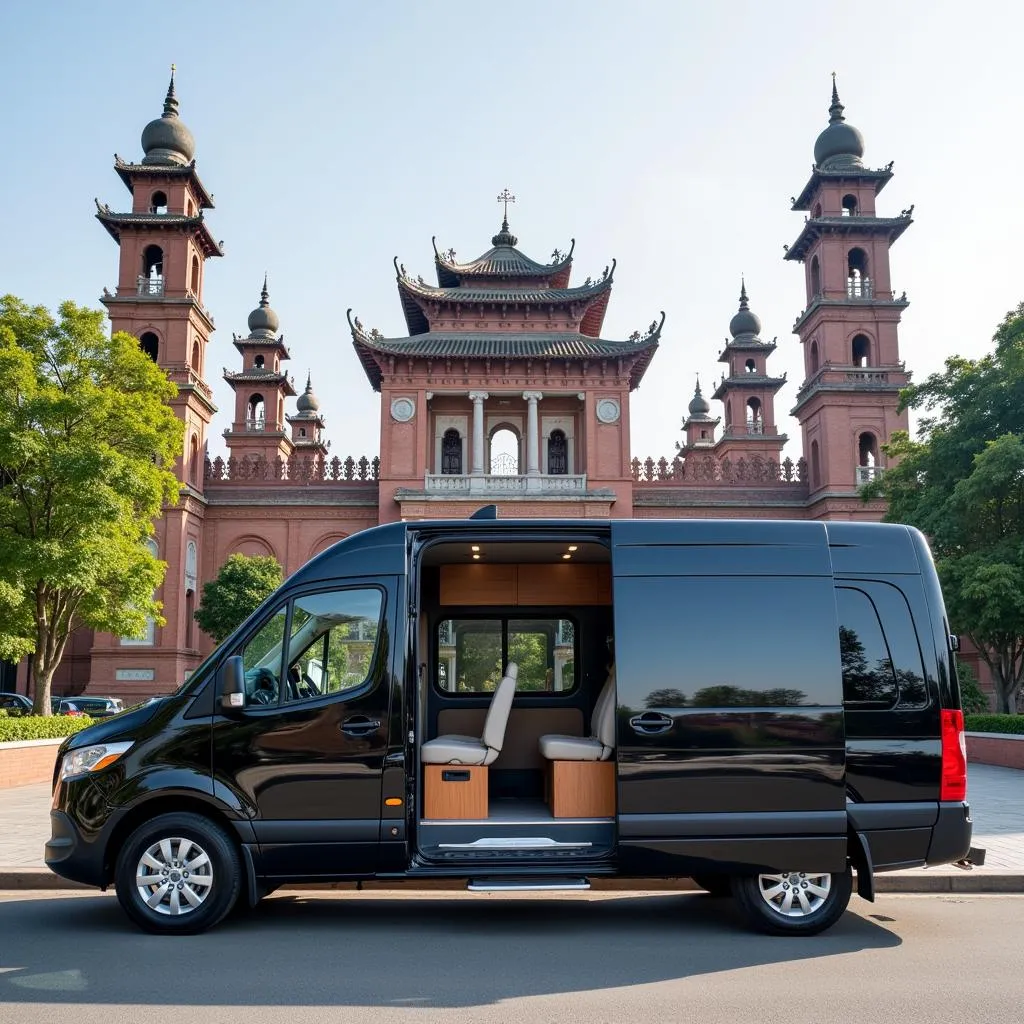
[(954, 757)]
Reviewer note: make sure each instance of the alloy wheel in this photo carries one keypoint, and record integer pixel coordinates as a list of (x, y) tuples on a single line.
[(174, 876), (795, 894)]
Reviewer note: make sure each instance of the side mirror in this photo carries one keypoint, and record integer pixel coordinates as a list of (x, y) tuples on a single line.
[(232, 684)]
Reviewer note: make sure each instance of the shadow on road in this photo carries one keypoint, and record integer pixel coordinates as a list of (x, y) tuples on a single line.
[(431, 952)]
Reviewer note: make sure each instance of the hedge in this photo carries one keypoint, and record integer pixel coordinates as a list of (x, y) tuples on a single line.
[(994, 723), (41, 727)]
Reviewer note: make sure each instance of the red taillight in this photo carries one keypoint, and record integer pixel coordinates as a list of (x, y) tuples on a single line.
[(954, 757)]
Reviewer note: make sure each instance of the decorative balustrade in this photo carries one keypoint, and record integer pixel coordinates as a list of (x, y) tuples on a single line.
[(865, 474), (867, 377), (500, 483), (150, 285), (706, 469), (307, 469)]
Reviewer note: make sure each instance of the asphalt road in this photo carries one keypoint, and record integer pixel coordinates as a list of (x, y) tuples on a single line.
[(421, 959)]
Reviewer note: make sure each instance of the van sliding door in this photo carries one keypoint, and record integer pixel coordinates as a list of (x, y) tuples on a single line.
[(731, 749)]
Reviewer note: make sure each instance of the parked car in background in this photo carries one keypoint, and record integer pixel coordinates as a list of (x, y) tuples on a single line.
[(15, 704), (63, 706), (99, 707)]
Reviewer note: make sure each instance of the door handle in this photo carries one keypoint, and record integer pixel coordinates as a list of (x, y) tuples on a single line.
[(360, 725), (650, 723)]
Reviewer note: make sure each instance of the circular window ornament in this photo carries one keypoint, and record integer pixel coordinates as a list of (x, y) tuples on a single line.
[(402, 409), (608, 410)]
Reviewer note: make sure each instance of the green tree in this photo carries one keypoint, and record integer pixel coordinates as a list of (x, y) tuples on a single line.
[(962, 483), (86, 431), (240, 587)]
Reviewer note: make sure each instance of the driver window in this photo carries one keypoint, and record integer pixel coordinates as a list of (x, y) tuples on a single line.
[(261, 661), (332, 643)]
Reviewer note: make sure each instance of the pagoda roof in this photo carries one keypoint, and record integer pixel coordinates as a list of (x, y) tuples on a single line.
[(257, 376), (503, 345), (751, 381), (880, 177), (502, 261), (816, 227), (130, 173), (413, 292), (747, 345), (264, 343), (115, 222)]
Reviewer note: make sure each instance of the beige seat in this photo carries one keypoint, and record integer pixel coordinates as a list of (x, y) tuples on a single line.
[(596, 747), (469, 749)]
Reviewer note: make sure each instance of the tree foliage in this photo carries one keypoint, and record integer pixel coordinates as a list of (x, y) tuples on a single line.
[(241, 586), (86, 434), (962, 483)]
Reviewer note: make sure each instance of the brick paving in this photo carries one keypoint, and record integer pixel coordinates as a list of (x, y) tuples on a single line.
[(996, 796)]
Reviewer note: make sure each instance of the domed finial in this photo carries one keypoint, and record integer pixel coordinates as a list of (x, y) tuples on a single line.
[(166, 140), (699, 406), (744, 323), (263, 321), (307, 402), (840, 145)]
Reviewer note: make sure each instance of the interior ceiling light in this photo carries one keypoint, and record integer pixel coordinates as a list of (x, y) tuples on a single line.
[(476, 556), (574, 547), (475, 547), (567, 555)]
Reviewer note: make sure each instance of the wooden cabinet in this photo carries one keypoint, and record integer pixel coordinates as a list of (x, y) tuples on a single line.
[(527, 585), (455, 792)]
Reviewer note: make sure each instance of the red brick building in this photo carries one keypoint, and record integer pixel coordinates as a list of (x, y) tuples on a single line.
[(503, 390)]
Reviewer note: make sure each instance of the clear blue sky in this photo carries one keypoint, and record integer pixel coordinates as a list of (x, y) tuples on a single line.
[(669, 135)]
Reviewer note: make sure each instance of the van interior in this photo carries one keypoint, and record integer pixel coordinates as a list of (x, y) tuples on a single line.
[(516, 701)]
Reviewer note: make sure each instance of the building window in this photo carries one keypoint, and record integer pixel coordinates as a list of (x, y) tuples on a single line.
[(558, 452), (191, 565), (193, 461), (150, 344), (302, 431), (158, 203), (861, 350), (817, 210), (814, 357), (194, 283), (256, 413), (153, 262), (504, 452), (815, 466), (148, 636), (196, 356), (858, 280), (815, 276), (849, 206), (750, 366), (755, 420), (451, 452), (258, 362), (867, 457)]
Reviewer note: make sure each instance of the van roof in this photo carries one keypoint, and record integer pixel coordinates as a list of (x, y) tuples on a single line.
[(853, 547)]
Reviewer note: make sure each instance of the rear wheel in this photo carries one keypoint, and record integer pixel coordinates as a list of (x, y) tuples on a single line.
[(178, 874), (794, 902), (715, 885)]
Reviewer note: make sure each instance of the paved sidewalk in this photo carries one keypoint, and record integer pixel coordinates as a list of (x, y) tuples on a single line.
[(996, 796)]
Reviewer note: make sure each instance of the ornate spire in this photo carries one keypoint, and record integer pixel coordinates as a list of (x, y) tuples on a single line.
[(744, 323), (836, 110), (743, 299), (263, 321), (504, 236), (264, 294), (170, 100)]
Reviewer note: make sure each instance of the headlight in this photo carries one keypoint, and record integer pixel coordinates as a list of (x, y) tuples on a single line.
[(92, 759)]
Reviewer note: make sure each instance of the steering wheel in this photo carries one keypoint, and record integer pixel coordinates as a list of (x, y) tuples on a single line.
[(308, 686), (264, 695)]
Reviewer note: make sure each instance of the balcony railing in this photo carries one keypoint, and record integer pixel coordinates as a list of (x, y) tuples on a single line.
[(865, 474), (543, 483), (860, 288), (150, 285)]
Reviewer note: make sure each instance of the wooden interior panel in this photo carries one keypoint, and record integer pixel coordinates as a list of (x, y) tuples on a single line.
[(465, 798), (582, 789), (478, 584), (533, 585), (521, 749), (565, 584)]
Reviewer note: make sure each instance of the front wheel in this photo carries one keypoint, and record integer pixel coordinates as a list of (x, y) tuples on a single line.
[(794, 902), (178, 874)]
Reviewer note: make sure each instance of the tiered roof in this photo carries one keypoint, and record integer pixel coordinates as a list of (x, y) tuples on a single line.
[(501, 306)]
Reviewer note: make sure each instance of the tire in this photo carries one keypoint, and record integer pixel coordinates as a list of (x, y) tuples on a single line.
[(195, 872), (768, 904), (715, 885)]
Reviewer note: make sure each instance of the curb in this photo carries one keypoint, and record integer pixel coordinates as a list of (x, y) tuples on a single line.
[(21, 879)]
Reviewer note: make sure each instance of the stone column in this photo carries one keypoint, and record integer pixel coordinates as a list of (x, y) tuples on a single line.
[(477, 398), (532, 433)]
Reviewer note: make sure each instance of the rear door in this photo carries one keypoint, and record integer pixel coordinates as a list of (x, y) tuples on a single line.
[(731, 749)]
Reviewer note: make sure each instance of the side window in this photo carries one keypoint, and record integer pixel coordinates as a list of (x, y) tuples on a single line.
[(868, 674), (332, 643), (261, 660), (472, 653)]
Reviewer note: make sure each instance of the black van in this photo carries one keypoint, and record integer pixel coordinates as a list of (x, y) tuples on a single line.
[(763, 706)]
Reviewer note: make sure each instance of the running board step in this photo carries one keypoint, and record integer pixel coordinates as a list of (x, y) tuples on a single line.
[(515, 843), (526, 884)]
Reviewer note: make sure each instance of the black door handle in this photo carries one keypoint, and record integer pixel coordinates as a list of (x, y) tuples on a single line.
[(650, 723), (360, 725)]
